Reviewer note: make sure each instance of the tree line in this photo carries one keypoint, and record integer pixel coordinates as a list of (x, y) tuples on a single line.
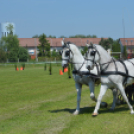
[(10, 48), (73, 36)]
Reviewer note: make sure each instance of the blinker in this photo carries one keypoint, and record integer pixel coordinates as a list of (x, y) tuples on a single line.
[(92, 53), (67, 53)]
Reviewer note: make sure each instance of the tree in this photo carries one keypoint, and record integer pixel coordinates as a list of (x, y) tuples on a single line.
[(116, 47), (11, 45), (2, 52), (83, 36), (62, 36), (2, 55), (12, 56), (10, 42), (106, 43), (84, 50), (78, 36), (10, 29), (23, 54), (91, 36), (54, 53), (50, 36), (35, 36), (44, 45)]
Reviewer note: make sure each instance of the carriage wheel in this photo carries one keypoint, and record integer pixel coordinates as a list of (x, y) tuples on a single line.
[(120, 99)]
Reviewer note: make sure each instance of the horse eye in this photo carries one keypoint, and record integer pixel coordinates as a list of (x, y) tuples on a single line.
[(92, 53), (67, 53)]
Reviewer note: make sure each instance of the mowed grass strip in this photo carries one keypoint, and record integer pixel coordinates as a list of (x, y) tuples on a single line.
[(34, 102)]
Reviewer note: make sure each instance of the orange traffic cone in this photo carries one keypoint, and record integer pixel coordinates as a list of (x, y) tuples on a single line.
[(65, 69), (60, 72), (17, 69), (21, 68)]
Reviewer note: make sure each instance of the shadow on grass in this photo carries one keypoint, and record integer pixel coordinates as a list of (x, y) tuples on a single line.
[(82, 110), (89, 110)]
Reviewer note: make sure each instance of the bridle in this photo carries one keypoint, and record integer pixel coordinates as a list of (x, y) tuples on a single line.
[(68, 55), (92, 53)]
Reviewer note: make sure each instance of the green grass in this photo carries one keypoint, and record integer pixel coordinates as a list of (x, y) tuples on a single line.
[(34, 102)]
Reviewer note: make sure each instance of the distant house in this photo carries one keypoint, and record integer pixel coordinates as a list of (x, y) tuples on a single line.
[(128, 42), (31, 44)]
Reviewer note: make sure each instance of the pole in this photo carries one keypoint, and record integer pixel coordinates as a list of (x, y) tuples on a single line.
[(35, 49)]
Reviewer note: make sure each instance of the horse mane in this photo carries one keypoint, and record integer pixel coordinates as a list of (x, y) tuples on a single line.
[(99, 47), (78, 51), (66, 44)]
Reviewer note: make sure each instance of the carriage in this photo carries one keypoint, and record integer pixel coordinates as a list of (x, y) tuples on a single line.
[(129, 90)]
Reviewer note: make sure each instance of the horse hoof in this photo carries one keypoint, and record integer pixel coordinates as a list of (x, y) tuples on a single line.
[(76, 112), (94, 114), (132, 112)]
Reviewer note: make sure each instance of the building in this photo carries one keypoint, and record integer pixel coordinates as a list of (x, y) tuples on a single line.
[(3, 28), (129, 43), (31, 44)]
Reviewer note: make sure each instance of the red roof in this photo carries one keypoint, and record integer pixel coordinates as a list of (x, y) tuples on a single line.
[(127, 41), (56, 42), (30, 42)]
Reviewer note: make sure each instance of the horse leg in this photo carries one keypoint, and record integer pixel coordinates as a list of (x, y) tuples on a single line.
[(121, 88), (78, 89), (115, 97), (101, 94), (91, 87), (92, 96)]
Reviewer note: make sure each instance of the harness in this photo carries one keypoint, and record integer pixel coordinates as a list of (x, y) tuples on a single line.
[(116, 72)]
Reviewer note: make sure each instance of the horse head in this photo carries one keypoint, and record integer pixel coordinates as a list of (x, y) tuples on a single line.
[(92, 56), (66, 54)]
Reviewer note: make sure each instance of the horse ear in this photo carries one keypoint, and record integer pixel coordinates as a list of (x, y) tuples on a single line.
[(62, 43), (91, 44)]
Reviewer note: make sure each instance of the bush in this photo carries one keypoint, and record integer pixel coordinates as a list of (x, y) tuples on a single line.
[(23, 54), (2, 56), (13, 56), (23, 65)]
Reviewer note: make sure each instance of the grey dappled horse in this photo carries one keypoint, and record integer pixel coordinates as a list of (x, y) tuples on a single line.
[(114, 73)]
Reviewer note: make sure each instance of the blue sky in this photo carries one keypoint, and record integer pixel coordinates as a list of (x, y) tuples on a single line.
[(102, 18)]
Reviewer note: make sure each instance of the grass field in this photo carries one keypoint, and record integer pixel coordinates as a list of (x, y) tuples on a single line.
[(34, 102)]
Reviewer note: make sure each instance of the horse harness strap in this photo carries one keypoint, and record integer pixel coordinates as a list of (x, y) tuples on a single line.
[(116, 72), (81, 73)]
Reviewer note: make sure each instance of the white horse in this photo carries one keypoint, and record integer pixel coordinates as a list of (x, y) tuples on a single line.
[(81, 75), (114, 73)]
